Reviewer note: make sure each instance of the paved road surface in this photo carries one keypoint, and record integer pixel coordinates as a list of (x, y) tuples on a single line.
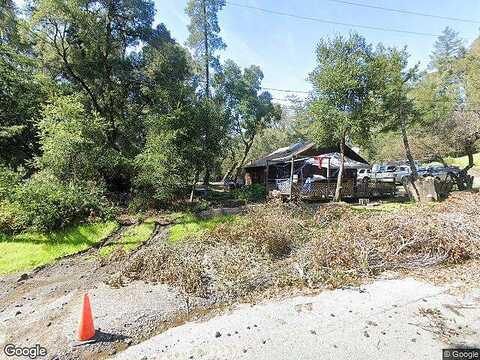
[(390, 319)]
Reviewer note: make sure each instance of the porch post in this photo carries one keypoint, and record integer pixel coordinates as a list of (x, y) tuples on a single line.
[(291, 178), (266, 176)]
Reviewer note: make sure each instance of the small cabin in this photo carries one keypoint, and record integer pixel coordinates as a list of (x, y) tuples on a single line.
[(306, 170)]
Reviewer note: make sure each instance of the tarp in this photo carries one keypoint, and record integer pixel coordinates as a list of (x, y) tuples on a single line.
[(334, 160)]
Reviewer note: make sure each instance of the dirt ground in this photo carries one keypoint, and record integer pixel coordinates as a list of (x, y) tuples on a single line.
[(43, 306)]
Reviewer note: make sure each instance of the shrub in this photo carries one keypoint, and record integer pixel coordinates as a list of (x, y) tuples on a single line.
[(44, 203), (73, 142), (8, 180), (250, 193)]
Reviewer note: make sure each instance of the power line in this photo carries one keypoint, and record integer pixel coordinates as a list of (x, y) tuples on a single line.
[(415, 100), (287, 91), (368, 27), (406, 12)]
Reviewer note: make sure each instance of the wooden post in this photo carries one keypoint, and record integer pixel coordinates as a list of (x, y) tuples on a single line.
[(291, 178), (266, 177), (328, 178)]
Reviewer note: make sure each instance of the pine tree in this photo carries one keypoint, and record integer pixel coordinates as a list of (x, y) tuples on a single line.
[(447, 49)]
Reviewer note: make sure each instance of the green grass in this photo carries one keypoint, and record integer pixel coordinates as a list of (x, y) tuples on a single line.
[(131, 239), (31, 249), (463, 161), (190, 225)]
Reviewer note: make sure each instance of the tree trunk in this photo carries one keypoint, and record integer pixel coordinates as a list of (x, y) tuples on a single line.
[(207, 57), (206, 179), (195, 180), (227, 174), (248, 146), (465, 181), (471, 163), (338, 189), (408, 151)]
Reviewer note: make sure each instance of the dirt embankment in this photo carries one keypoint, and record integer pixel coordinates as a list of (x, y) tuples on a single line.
[(43, 306), (273, 250)]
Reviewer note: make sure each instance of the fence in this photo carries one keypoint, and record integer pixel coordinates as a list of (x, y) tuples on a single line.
[(320, 190)]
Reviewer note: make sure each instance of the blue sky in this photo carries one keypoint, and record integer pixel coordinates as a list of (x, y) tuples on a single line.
[(284, 47)]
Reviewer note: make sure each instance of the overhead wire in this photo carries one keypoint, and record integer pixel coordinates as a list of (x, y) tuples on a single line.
[(331, 22), (405, 12)]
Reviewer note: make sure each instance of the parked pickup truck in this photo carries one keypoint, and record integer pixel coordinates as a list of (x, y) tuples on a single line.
[(383, 173)]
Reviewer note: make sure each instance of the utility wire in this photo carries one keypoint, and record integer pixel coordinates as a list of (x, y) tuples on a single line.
[(300, 17), (424, 101), (287, 91), (405, 12), (307, 92)]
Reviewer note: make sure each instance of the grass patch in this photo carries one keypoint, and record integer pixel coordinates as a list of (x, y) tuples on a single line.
[(190, 225), (131, 239), (463, 161), (31, 249)]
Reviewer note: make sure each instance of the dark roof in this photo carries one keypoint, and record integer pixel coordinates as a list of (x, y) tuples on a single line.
[(301, 150)]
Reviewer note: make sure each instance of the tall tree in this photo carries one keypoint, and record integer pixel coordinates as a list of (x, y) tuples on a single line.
[(21, 91), (204, 36), (343, 105), (396, 81), (249, 110), (447, 49), (88, 44), (448, 99), (88, 47), (205, 41)]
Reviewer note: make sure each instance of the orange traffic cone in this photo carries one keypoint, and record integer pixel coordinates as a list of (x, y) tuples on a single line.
[(86, 330)]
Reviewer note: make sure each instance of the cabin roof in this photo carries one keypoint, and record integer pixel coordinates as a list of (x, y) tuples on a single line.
[(298, 150)]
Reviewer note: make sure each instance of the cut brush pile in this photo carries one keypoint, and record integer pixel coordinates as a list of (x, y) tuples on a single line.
[(275, 246)]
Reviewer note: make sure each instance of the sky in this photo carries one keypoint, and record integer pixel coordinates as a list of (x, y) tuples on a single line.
[(285, 47)]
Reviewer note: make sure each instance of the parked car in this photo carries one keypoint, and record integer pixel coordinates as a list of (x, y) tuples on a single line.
[(381, 173), (440, 172), (402, 172), (363, 173), (443, 172)]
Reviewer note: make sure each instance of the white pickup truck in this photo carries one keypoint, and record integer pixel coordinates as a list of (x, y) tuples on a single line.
[(382, 173)]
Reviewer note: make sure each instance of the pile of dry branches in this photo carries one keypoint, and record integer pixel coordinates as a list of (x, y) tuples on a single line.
[(275, 246)]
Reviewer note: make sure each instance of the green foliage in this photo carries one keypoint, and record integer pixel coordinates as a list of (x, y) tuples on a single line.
[(21, 93), (447, 50), (203, 27), (70, 138), (165, 168), (90, 45), (130, 239), (344, 86), (250, 193), (31, 249), (190, 225), (8, 180), (44, 203), (249, 110), (448, 97)]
